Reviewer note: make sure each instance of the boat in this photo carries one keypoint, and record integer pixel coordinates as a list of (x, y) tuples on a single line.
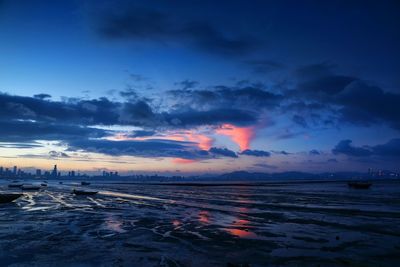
[(8, 197), (359, 185), (43, 184), (15, 184), (30, 187), (85, 183), (83, 192)]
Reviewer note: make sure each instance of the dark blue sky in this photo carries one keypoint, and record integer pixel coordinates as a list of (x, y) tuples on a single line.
[(200, 86)]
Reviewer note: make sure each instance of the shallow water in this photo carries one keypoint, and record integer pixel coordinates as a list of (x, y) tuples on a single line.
[(290, 224)]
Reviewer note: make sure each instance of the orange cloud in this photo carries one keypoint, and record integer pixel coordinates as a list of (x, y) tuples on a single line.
[(182, 161), (240, 135), (204, 142)]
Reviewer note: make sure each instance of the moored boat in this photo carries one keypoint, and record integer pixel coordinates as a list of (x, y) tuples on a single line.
[(30, 187), (15, 184), (359, 185), (8, 197), (84, 192)]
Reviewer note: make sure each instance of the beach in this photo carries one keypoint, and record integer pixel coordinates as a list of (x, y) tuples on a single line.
[(267, 224)]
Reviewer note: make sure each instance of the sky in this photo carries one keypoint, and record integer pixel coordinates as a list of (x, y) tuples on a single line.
[(197, 87)]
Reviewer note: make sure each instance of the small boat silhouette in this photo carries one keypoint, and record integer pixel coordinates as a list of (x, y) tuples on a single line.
[(30, 187), (359, 185), (85, 183), (83, 192), (15, 184)]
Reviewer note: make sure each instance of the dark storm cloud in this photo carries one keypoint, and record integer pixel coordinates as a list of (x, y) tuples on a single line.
[(223, 152), (191, 117), (96, 111), (390, 149), (28, 131), (345, 98), (137, 112), (255, 153), (345, 147), (142, 148), (148, 148), (140, 23), (223, 96), (365, 103)]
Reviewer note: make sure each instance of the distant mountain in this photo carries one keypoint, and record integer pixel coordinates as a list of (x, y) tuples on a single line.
[(244, 175)]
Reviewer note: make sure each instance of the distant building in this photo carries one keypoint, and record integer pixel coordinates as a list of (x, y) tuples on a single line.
[(54, 172)]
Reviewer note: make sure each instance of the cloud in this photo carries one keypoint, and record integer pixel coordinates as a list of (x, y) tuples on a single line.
[(187, 84), (180, 151), (223, 152), (20, 145), (255, 153), (249, 97), (102, 111), (29, 131), (42, 96), (138, 23), (346, 99), (299, 120), (345, 147), (184, 118), (57, 154), (140, 148), (314, 152), (282, 152), (95, 111), (389, 150), (365, 103), (141, 133), (242, 136)]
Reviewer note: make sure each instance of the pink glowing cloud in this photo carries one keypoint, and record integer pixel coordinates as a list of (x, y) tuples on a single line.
[(242, 136), (182, 161)]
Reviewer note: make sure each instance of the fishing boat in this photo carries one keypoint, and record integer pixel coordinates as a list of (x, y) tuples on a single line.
[(359, 185), (15, 184), (8, 197), (83, 192), (30, 187)]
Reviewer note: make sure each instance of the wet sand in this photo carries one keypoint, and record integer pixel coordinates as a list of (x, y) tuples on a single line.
[(311, 224)]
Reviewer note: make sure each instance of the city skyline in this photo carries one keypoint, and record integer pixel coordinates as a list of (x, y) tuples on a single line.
[(197, 88)]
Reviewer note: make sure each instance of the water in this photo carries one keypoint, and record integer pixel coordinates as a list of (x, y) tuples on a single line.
[(291, 224)]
